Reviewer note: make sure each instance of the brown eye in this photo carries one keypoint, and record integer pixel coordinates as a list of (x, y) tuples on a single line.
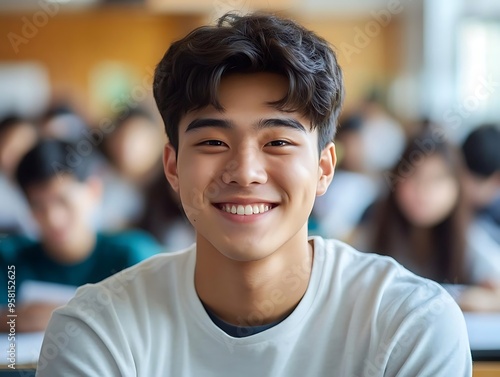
[(216, 143), (278, 143)]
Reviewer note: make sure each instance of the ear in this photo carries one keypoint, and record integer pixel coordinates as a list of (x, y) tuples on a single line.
[(327, 161), (170, 166)]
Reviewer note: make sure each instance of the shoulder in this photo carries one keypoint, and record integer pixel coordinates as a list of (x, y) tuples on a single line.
[(415, 326), (12, 246), (111, 321), (383, 283), (356, 264)]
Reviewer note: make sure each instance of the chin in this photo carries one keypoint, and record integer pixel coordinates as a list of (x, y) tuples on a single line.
[(245, 252)]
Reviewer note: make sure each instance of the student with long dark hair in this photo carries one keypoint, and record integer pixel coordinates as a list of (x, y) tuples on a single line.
[(425, 224), (423, 221)]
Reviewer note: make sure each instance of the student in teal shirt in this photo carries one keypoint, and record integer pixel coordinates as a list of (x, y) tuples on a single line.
[(63, 195)]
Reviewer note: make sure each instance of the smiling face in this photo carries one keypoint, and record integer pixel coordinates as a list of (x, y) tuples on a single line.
[(248, 176)]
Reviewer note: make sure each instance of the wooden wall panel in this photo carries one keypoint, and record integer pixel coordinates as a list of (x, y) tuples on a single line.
[(70, 44)]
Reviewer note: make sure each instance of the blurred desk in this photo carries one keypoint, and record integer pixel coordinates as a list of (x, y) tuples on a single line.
[(484, 336), (484, 369), (25, 371)]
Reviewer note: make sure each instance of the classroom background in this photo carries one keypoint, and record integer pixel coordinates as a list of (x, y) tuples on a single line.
[(418, 143)]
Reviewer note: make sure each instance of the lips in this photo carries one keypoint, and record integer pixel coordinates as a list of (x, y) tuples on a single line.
[(245, 209)]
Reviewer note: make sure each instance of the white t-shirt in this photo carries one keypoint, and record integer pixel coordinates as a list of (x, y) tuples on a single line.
[(362, 315)]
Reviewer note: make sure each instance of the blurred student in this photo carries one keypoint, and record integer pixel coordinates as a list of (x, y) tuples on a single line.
[(378, 126), (481, 151), (17, 136), (424, 223), (336, 216), (63, 195), (164, 217), (135, 147), (482, 188), (133, 150), (62, 122)]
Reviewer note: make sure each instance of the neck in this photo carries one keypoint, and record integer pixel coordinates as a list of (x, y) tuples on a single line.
[(256, 292)]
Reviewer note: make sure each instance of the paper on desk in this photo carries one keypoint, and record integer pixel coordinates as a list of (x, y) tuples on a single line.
[(28, 347), (32, 290)]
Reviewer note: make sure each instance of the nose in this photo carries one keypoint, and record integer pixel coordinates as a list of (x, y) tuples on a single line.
[(245, 168), (54, 218)]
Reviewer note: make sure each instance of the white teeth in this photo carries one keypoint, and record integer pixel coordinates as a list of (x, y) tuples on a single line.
[(247, 210)]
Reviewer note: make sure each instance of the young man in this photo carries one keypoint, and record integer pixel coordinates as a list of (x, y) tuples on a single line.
[(63, 195), (250, 108)]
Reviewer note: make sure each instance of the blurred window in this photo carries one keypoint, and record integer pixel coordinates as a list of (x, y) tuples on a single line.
[(478, 55)]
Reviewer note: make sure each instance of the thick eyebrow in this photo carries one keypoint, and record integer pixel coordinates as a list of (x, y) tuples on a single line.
[(208, 122), (263, 123), (281, 122)]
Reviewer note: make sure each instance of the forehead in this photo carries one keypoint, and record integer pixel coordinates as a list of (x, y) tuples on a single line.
[(59, 184), (434, 166), (434, 163), (246, 98), (269, 86)]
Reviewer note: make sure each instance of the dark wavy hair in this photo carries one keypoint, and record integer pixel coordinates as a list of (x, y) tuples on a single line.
[(188, 76), (51, 158)]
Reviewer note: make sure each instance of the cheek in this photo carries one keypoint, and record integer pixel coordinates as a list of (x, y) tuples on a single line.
[(405, 196), (296, 176), (69, 214), (196, 186), (412, 202), (77, 211), (445, 198), (40, 217)]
